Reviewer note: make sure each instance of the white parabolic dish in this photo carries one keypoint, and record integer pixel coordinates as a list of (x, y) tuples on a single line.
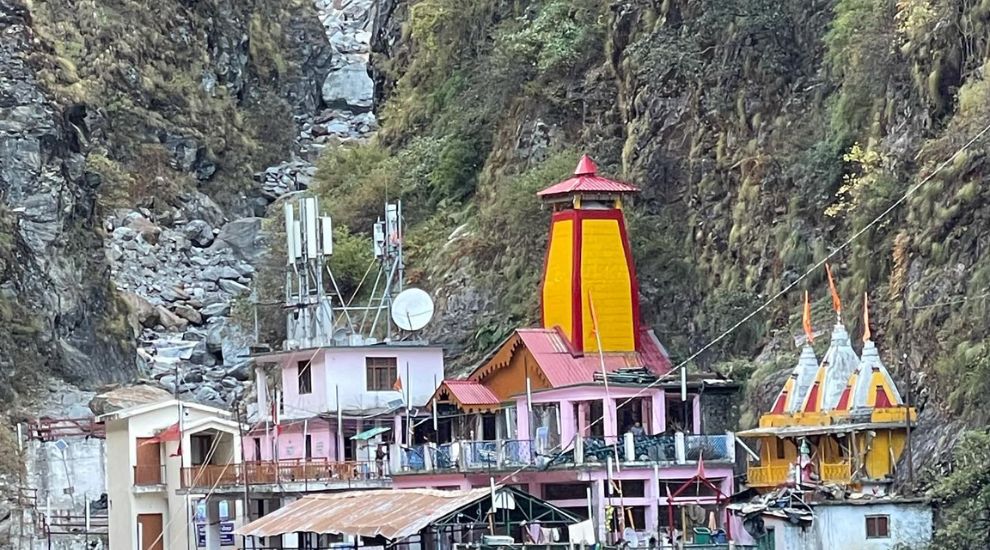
[(412, 309)]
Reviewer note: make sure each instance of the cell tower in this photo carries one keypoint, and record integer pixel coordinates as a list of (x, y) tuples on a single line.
[(317, 314), (309, 245)]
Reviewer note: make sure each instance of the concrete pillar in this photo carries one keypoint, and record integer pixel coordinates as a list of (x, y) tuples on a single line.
[(598, 505), (568, 427), (680, 451), (629, 444), (608, 414), (212, 527), (522, 423), (579, 450), (659, 420), (730, 445), (582, 419), (395, 457)]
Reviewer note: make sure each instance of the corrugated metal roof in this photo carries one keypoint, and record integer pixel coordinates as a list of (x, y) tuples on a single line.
[(392, 513), (586, 180), (469, 392), (563, 367)]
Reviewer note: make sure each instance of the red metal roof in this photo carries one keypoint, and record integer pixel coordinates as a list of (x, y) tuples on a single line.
[(469, 392), (563, 367), (586, 180)]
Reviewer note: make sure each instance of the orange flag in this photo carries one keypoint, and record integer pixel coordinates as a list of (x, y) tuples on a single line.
[(866, 318), (807, 319), (836, 302), (398, 384)]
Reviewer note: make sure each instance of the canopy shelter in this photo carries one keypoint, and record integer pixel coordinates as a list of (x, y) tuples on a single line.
[(369, 434), (699, 479), (397, 516)]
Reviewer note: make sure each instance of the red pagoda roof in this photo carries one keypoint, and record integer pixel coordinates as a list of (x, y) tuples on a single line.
[(586, 180)]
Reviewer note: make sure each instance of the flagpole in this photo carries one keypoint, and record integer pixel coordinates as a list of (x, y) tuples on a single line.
[(340, 427), (409, 429)]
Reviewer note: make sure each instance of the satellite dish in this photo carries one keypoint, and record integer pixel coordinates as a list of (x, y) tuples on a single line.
[(412, 309)]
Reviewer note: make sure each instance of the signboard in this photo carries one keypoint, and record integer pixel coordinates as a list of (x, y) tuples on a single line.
[(226, 534)]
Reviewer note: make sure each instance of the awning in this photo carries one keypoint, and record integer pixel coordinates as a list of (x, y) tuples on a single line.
[(368, 434), (805, 431), (397, 513), (391, 513)]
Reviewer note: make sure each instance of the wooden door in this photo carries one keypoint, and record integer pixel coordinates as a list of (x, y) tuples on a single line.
[(150, 532), (148, 469)]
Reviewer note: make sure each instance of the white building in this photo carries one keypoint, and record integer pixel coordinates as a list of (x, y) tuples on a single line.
[(866, 524), (154, 453)]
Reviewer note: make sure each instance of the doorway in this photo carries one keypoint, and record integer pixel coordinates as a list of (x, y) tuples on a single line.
[(150, 531)]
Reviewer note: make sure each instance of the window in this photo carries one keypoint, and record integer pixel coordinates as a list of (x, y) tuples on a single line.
[(381, 373), (257, 449), (877, 527), (305, 378)]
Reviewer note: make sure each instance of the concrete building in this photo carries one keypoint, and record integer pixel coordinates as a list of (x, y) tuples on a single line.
[(868, 524), (155, 454)]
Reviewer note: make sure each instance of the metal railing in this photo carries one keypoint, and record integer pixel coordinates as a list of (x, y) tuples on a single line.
[(147, 475), (283, 471), (709, 447), (512, 453)]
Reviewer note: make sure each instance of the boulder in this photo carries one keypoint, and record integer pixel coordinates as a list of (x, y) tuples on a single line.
[(233, 287), (243, 237), (240, 372), (127, 396), (188, 314), (140, 310), (216, 309), (199, 233), (197, 206), (169, 320), (143, 227), (349, 86)]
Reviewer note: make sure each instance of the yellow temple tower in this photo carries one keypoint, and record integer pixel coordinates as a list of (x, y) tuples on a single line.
[(589, 279)]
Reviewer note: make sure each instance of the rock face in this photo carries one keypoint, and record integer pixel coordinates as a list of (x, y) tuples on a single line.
[(56, 302)]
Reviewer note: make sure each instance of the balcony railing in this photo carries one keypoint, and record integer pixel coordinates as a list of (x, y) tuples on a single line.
[(778, 474), (283, 471), (709, 447), (836, 472), (147, 475), (767, 476), (513, 453)]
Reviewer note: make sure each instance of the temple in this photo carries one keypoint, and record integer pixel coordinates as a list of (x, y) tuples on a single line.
[(585, 411), (851, 426)]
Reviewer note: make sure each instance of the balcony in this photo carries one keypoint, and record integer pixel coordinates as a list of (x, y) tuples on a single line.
[(779, 474), (317, 471), (465, 456), (149, 477)]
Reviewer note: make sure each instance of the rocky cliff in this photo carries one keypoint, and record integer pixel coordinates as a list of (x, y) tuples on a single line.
[(131, 136)]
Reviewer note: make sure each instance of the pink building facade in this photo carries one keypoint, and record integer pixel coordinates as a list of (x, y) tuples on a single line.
[(321, 398)]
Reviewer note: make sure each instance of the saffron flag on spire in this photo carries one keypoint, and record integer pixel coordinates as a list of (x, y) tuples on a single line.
[(866, 318), (836, 302), (810, 334)]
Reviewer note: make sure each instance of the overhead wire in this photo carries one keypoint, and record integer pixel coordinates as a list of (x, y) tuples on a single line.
[(683, 364)]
